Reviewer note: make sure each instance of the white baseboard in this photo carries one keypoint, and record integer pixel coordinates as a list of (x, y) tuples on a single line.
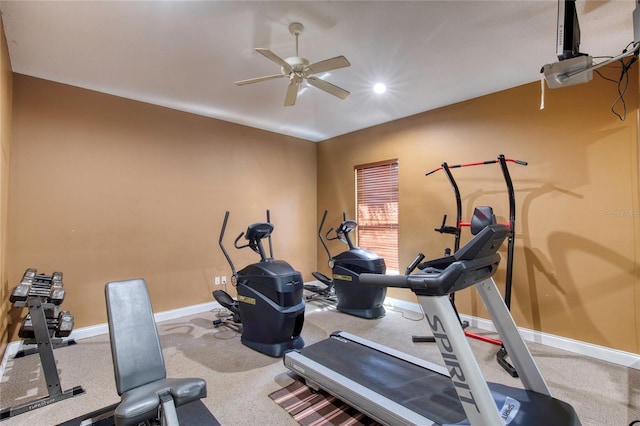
[(626, 359), (96, 330), (99, 329)]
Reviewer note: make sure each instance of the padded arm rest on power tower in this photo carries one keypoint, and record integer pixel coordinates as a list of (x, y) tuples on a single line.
[(138, 361)]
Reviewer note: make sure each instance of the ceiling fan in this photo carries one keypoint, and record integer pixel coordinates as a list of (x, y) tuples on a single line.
[(298, 69)]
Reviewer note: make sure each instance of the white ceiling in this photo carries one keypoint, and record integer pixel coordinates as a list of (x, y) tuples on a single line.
[(186, 55)]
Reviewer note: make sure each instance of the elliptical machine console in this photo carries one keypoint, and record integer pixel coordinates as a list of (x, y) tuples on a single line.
[(346, 267), (270, 302)]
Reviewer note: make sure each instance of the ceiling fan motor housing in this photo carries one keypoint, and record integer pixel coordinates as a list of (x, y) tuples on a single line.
[(299, 70), (297, 64)]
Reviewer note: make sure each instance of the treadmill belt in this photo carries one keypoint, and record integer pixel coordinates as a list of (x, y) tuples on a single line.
[(426, 392)]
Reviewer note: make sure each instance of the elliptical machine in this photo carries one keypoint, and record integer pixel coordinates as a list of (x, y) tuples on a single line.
[(269, 303), (346, 267)]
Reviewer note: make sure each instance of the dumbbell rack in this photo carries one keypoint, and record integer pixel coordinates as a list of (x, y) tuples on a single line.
[(43, 294)]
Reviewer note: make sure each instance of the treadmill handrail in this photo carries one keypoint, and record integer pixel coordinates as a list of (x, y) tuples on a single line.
[(457, 276), (476, 261)]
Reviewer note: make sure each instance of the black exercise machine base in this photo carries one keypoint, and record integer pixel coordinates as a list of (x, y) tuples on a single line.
[(501, 357), (274, 349), (193, 413)]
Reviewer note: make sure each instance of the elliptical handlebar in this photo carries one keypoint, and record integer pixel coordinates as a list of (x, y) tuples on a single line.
[(269, 236), (329, 238), (337, 237), (235, 243), (324, 216), (224, 251), (341, 234)]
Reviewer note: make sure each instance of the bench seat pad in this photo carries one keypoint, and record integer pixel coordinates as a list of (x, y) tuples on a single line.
[(140, 404)]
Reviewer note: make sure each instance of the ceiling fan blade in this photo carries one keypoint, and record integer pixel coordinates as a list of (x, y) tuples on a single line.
[(258, 79), (328, 87), (329, 64), (275, 58), (292, 93)]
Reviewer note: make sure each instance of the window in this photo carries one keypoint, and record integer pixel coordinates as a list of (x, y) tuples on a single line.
[(377, 210)]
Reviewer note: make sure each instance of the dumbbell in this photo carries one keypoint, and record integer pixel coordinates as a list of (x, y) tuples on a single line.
[(26, 329), (30, 273), (65, 324), (57, 293), (20, 293), (22, 290), (60, 325)]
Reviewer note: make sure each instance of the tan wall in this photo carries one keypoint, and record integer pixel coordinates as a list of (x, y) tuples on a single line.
[(104, 188), (576, 270), (6, 90)]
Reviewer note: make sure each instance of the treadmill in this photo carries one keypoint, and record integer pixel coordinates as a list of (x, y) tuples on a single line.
[(397, 389)]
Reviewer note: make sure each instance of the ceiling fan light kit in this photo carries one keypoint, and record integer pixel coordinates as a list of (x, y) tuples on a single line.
[(299, 69)]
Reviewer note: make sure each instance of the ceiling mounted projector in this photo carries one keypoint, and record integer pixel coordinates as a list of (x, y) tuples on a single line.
[(574, 67)]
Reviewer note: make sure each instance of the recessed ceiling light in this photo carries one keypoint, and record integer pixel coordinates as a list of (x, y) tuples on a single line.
[(379, 88)]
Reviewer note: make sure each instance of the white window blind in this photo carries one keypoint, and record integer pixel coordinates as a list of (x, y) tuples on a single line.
[(377, 210)]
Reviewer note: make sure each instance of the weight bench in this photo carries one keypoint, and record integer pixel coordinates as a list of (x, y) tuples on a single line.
[(145, 391)]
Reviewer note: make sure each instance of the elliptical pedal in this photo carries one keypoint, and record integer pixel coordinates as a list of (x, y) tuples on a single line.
[(325, 289)]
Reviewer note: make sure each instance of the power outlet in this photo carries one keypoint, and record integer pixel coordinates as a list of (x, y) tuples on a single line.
[(224, 280), (217, 280)]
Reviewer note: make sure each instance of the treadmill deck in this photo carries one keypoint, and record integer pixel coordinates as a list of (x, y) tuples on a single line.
[(398, 389)]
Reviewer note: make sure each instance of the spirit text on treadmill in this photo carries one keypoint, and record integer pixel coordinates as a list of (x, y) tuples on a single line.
[(451, 361)]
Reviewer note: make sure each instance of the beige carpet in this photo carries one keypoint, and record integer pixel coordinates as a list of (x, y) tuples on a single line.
[(240, 380)]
